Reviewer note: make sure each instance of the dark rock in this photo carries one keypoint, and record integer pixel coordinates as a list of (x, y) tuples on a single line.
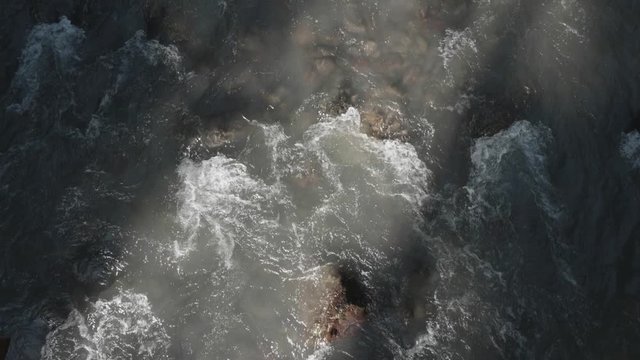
[(4, 347), (487, 118), (345, 98), (334, 305)]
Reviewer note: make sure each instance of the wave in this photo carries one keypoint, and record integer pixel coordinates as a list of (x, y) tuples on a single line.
[(493, 183), (220, 197), (124, 327), (287, 205), (49, 47), (335, 160), (457, 46)]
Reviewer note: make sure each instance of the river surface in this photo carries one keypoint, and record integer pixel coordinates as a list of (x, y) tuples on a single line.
[(175, 176)]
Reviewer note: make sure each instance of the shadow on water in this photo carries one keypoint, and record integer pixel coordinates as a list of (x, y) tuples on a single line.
[(4, 347)]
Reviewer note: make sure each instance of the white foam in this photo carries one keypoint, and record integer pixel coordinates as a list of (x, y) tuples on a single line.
[(276, 144), (124, 327), (492, 158), (425, 341), (333, 191), (140, 51), (392, 164), (153, 52), (58, 42), (510, 165), (322, 352), (218, 195), (408, 172), (456, 44), (630, 148), (363, 182)]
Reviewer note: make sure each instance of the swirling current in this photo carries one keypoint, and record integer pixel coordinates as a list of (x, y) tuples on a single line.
[(188, 179)]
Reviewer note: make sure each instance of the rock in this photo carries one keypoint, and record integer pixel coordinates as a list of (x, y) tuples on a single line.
[(344, 322), (345, 97), (330, 314), (354, 27), (383, 123), (370, 49), (324, 66), (487, 118), (412, 77), (303, 35)]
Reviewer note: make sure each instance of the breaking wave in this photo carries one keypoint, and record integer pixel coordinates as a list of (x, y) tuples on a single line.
[(121, 328), (47, 44), (288, 205), (493, 183)]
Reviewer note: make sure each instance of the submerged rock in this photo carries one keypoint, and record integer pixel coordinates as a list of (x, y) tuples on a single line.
[(309, 176), (200, 30)]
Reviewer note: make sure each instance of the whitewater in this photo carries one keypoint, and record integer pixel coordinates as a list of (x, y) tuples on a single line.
[(345, 179)]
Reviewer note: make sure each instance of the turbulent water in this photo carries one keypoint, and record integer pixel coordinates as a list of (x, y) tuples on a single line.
[(176, 176)]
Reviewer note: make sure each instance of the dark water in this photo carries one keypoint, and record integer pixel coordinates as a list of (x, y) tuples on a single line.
[(174, 176)]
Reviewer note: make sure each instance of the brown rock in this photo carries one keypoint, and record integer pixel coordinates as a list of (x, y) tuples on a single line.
[(303, 35), (345, 322), (370, 49), (331, 316), (383, 123)]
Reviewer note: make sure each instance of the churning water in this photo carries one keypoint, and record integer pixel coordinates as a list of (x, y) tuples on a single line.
[(179, 178)]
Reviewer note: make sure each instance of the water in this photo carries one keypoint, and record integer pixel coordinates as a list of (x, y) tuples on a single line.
[(272, 219), (183, 180)]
